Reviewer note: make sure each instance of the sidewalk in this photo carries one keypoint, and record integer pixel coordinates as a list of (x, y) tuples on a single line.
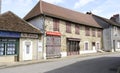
[(15, 64)]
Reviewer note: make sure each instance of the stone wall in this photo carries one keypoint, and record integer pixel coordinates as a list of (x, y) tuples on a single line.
[(82, 36)]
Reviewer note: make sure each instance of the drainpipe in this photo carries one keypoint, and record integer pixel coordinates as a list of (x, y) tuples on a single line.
[(44, 34)]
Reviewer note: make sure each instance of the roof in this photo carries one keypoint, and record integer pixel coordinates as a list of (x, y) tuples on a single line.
[(10, 22), (107, 20), (61, 13)]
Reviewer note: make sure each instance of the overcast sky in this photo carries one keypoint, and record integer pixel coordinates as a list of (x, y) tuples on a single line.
[(104, 8)]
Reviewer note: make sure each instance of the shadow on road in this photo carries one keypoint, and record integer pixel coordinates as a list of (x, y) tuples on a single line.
[(97, 65)]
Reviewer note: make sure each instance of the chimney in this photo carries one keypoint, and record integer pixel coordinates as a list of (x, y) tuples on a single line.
[(89, 13), (116, 18)]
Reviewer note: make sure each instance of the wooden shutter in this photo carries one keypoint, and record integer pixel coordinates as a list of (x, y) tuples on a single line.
[(87, 31), (55, 24), (77, 31), (99, 33), (68, 27), (93, 32)]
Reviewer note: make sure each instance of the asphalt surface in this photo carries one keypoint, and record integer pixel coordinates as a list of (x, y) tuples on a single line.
[(94, 64)]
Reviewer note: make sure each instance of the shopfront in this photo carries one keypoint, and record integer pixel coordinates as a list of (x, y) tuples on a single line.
[(53, 44), (9, 46), (73, 47)]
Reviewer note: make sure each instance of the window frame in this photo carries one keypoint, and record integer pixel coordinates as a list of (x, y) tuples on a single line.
[(99, 33), (93, 32), (85, 45), (68, 27), (87, 31), (77, 29), (56, 25)]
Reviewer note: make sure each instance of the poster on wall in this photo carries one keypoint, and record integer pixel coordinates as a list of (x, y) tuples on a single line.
[(39, 46)]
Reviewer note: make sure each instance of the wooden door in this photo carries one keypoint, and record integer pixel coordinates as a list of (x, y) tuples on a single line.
[(53, 45)]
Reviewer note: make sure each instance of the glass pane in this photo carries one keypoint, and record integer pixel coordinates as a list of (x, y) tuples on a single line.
[(2, 49), (10, 48)]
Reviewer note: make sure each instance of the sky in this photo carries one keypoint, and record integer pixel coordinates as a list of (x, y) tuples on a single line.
[(104, 8)]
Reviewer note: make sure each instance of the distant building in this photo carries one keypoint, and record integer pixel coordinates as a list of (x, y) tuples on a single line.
[(111, 32), (65, 32)]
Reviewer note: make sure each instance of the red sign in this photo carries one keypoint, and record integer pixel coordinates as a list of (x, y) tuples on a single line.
[(53, 33)]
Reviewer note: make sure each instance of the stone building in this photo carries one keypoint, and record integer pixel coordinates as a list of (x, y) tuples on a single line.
[(18, 39), (65, 32), (111, 32)]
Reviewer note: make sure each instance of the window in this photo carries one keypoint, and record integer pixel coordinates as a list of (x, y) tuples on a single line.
[(98, 46), (93, 32), (87, 31), (86, 46), (115, 31), (118, 44), (2, 50), (55, 24), (99, 33), (8, 47), (68, 27), (77, 31)]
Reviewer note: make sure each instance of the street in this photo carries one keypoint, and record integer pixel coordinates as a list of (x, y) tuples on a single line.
[(94, 64)]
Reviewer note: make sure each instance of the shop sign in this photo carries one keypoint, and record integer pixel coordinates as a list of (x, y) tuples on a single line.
[(53, 33), (29, 35), (9, 34)]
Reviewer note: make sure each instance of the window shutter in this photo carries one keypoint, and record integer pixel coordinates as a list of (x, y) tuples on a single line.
[(87, 30), (77, 27), (55, 24), (68, 27)]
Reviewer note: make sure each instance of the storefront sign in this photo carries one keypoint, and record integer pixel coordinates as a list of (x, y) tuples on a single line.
[(73, 39), (9, 34), (29, 35), (53, 33)]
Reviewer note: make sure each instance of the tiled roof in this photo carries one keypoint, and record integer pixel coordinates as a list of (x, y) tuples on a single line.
[(61, 13), (107, 20), (10, 22)]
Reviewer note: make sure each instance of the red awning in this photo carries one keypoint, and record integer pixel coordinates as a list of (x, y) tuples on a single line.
[(53, 33)]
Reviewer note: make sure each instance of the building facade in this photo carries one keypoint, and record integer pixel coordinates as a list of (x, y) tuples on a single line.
[(111, 35), (65, 32), (17, 41)]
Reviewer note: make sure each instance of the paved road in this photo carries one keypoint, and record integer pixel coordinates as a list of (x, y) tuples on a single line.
[(95, 64)]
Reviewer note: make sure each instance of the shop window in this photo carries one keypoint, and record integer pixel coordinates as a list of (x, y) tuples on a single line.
[(2, 50), (8, 47)]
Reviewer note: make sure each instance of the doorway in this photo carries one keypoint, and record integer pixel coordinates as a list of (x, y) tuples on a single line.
[(27, 50), (93, 46)]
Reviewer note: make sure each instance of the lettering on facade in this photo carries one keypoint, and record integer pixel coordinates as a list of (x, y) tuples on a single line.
[(29, 35)]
